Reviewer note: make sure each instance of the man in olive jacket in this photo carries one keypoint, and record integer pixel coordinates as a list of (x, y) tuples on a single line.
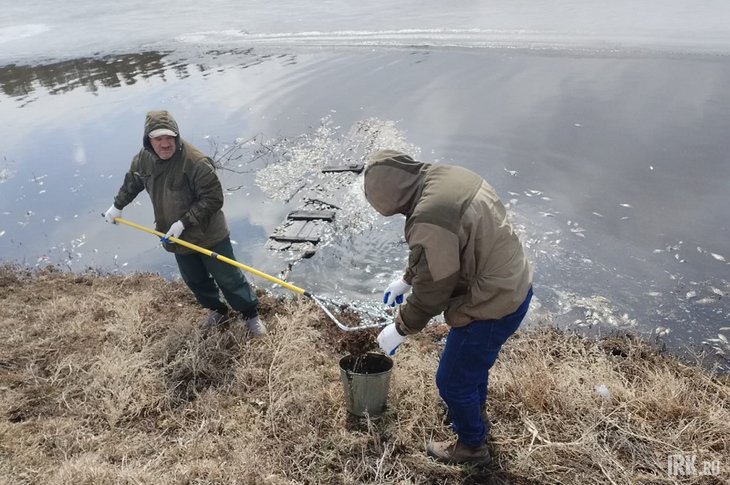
[(187, 199), (466, 261)]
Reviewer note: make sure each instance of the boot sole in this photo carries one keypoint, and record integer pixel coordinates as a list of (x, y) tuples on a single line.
[(451, 461)]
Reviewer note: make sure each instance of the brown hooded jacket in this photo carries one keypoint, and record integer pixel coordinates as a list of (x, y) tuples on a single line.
[(465, 259)]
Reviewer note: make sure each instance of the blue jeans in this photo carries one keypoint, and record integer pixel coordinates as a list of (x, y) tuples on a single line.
[(205, 276), (462, 377)]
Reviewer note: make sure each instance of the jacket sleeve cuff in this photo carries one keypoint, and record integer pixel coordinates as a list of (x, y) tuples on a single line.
[(400, 325), (187, 223), (408, 276)]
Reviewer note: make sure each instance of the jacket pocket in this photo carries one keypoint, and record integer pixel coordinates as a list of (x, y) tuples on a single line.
[(178, 198), (414, 257)]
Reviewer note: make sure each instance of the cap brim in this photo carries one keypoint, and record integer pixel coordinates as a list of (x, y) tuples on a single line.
[(161, 132)]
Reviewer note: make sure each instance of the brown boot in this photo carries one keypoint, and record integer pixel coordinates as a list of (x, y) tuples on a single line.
[(448, 452)]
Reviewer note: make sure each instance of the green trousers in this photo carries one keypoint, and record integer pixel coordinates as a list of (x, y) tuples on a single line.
[(208, 278)]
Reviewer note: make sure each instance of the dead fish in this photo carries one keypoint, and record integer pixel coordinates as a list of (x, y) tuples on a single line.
[(602, 390)]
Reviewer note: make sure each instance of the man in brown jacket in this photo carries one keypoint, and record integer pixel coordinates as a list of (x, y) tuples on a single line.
[(187, 199), (466, 261)]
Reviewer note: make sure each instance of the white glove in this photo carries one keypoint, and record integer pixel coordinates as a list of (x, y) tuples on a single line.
[(175, 230), (389, 339), (111, 214), (394, 292)]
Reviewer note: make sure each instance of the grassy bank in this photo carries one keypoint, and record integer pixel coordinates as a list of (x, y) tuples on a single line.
[(106, 379)]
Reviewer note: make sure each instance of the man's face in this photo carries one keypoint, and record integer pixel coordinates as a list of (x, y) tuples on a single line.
[(164, 146)]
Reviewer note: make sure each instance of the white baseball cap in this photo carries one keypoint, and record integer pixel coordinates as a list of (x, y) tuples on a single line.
[(161, 132)]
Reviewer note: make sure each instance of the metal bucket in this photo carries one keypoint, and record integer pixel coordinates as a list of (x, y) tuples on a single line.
[(366, 379)]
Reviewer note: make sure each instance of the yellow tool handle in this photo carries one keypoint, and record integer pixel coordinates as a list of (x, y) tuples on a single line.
[(217, 256)]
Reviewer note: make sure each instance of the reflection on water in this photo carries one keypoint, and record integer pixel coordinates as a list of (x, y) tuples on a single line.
[(94, 74), (89, 73)]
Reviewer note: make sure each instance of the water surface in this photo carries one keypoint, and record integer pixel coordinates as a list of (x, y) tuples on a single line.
[(610, 153)]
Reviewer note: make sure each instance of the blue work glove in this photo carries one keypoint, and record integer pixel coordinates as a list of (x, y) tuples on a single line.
[(175, 230), (111, 214), (394, 292), (390, 339)]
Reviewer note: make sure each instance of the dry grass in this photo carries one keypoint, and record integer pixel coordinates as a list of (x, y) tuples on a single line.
[(106, 379)]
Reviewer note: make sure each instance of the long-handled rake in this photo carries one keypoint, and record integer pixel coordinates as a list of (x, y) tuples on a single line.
[(317, 299)]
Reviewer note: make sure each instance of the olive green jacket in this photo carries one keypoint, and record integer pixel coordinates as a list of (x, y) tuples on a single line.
[(184, 188), (465, 259)]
